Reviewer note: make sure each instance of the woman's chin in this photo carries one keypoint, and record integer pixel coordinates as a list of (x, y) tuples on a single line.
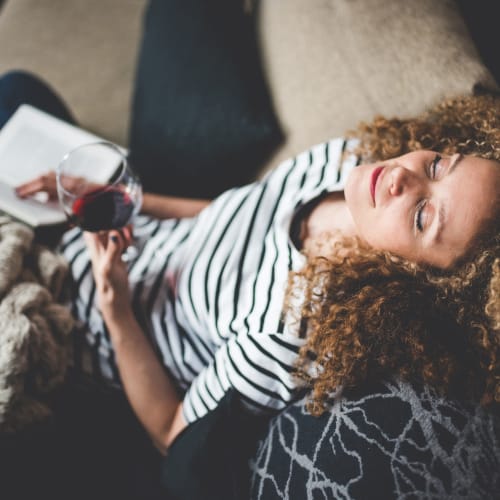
[(351, 188)]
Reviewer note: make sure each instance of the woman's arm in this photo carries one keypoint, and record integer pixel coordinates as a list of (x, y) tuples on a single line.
[(167, 207), (159, 206), (149, 389)]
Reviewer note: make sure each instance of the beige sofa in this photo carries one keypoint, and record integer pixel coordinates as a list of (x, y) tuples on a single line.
[(328, 63)]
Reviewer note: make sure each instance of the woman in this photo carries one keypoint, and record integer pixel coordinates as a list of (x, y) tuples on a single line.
[(383, 260), (430, 317)]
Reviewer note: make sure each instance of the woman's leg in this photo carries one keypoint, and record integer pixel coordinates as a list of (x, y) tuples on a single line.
[(21, 87)]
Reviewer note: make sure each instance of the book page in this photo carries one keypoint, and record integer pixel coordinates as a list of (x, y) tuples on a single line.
[(33, 142), (31, 211), (29, 153)]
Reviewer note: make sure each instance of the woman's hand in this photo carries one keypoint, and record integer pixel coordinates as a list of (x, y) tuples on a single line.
[(47, 183), (110, 272)]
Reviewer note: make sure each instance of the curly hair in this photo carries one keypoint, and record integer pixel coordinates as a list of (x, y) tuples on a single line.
[(373, 315), (465, 124)]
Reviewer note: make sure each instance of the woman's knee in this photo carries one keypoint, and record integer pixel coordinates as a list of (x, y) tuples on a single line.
[(20, 77), (19, 87)]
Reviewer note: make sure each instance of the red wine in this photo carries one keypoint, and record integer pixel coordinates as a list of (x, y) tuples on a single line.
[(101, 209)]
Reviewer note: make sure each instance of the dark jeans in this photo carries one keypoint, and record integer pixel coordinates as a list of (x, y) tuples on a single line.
[(21, 87), (92, 447)]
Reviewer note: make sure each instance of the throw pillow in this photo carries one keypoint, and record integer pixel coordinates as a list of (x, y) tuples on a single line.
[(202, 119)]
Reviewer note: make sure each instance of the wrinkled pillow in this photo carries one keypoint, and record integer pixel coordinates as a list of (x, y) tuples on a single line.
[(202, 120)]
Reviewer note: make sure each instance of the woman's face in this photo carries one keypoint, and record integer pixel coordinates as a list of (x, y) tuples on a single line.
[(423, 206)]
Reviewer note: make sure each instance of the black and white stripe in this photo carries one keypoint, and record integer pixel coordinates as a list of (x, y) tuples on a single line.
[(209, 290)]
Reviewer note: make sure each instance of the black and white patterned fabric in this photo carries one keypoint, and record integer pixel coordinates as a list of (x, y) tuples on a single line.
[(395, 442)]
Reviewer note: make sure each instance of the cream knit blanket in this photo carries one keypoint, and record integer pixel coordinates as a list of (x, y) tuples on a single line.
[(34, 326)]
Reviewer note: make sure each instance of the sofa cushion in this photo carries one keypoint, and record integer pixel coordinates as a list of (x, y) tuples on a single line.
[(332, 63), (202, 120), (85, 49), (393, 440)]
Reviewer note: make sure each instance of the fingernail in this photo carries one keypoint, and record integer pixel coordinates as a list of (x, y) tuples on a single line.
[(114, 239)]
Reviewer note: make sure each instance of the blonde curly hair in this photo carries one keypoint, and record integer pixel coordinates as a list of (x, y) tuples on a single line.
[(372, 315)]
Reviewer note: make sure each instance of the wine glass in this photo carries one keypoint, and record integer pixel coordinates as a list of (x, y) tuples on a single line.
[(98, 189)]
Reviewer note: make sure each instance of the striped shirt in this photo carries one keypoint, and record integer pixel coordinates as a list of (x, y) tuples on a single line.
[(209, 290)]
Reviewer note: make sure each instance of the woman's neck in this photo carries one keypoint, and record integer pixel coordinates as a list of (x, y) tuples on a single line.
[(330, 215)]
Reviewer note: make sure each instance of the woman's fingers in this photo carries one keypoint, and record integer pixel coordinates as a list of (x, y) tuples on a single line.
[(108, 246), (77, 184), (119, 239), (109, 270), (116, 245), (128, 234), (47, 183), (95, 244), (44, 183)]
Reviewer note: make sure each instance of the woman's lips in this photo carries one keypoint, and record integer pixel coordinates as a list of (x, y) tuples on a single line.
[(373, 182)]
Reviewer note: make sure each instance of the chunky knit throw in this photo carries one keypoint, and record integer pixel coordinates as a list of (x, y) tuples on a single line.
[(34, 326)]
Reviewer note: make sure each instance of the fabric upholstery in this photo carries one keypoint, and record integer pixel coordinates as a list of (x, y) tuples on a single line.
[(392, 441), (332, 63)]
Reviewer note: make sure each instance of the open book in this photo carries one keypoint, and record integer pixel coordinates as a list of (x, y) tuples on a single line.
[(32, 143)]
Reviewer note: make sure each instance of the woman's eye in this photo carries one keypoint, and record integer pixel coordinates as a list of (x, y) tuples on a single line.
[(435, 167), (420, 216)]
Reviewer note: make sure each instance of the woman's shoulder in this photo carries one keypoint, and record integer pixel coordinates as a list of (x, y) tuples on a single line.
[(337, 156)]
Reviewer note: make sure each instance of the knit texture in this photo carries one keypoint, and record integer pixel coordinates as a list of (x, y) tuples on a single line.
[(34, 326)]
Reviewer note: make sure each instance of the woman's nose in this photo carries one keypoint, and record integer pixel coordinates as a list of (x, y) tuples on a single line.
[(401, 180)]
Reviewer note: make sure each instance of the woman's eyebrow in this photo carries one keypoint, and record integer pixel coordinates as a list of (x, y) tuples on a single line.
[(458, 158), (441, 223), (442, 212)]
